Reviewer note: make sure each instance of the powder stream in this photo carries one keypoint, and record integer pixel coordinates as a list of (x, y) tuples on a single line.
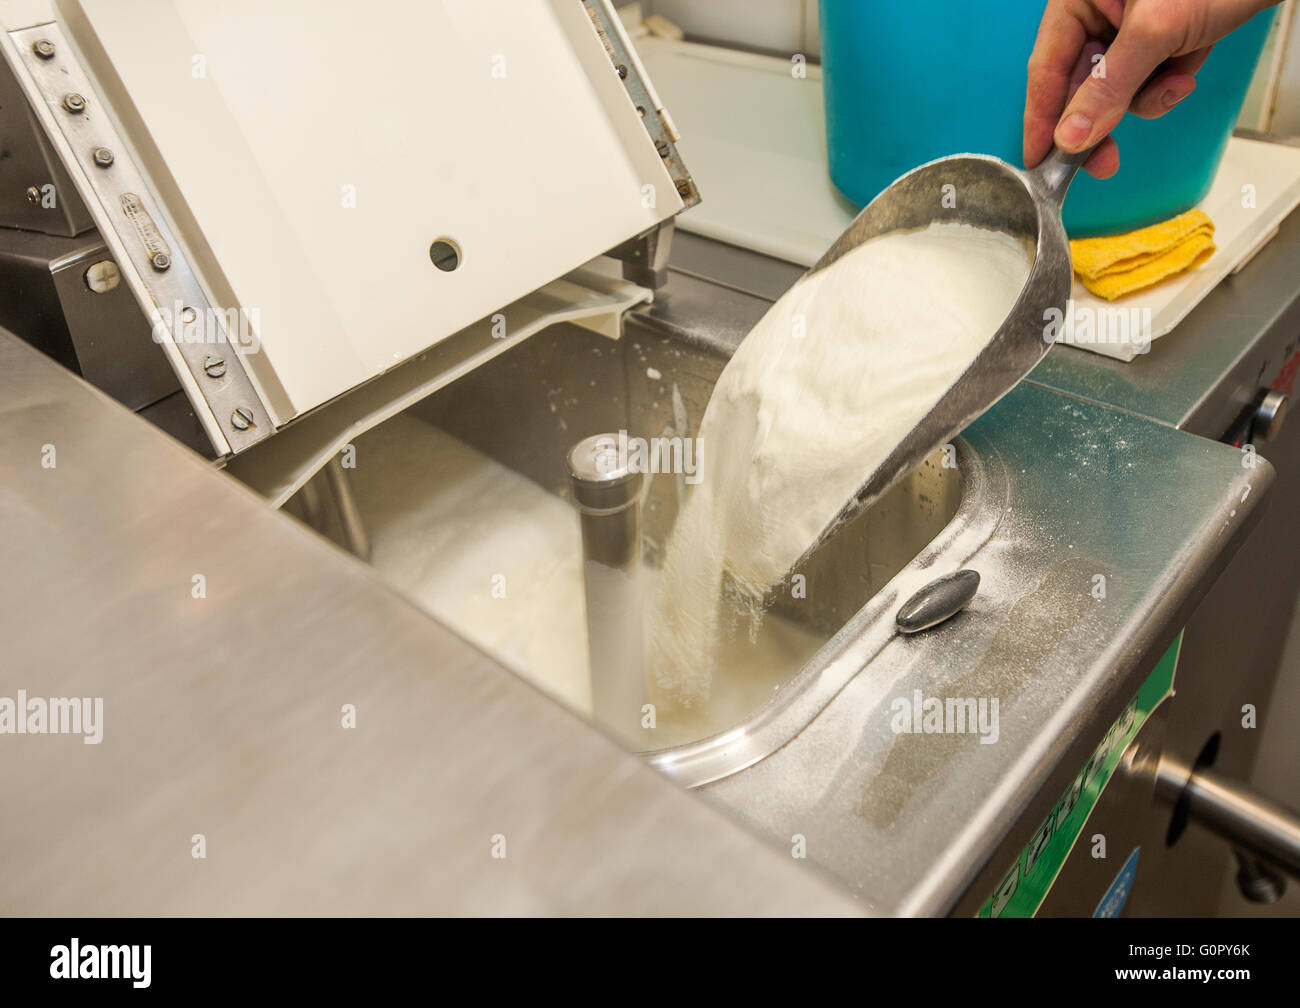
[(816, 397)]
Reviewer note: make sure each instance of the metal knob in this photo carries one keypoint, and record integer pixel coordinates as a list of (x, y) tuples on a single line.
[(1256, 879), (603, 482), (1269, 415), (941, 599)]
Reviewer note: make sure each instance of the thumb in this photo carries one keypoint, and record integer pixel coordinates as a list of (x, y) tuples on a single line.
[(1109, 89)]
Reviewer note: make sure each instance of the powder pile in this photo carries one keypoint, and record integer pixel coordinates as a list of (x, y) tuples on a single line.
[(818, 394)]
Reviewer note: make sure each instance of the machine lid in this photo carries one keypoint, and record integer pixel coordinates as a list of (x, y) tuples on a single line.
[(354, 183)]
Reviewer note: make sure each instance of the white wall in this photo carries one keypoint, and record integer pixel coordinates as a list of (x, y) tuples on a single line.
[(1276, 101), (790, 26), (785, 26)]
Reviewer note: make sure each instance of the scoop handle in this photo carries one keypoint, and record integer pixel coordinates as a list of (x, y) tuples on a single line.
[(1056, 172)]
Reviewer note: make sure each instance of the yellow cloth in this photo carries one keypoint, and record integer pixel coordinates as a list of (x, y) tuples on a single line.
[(1116, 265)]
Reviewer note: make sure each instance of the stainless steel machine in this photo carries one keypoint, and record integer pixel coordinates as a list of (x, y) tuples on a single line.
[(289, 269), (1166, 839)]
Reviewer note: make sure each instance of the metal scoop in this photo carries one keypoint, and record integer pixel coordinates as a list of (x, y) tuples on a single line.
[(990, 194)]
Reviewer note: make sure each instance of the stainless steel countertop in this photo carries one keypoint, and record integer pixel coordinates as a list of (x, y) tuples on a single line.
[(222, 717), (1246, 328)]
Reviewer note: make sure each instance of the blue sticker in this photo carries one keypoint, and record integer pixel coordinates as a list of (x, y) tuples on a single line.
[(1117, 895)]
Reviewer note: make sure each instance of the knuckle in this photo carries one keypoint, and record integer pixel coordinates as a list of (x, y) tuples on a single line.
[(1100, 91), (1157, 26)]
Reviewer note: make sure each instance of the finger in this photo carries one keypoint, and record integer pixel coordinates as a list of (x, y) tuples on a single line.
[(1172, 83), (1105, 96), (1103, 162), (1163, 93), (1089, 60), (1061, 38)]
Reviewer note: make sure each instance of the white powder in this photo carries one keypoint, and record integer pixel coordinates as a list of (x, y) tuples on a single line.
[(819, 393)]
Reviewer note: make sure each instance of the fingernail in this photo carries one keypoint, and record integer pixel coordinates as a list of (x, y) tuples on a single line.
[(1172, 97), (1074, 130)]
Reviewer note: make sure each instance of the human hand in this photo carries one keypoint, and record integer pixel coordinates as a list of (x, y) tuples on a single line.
[(1094, 60)]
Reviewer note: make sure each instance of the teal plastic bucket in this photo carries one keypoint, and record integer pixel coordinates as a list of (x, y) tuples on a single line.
[(908, 83)]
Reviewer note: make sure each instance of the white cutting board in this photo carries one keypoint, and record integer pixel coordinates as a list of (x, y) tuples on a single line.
[(1257, 186), (754, 135)]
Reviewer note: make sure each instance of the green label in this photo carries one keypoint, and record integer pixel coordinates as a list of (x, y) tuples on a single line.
[(1024, 887)]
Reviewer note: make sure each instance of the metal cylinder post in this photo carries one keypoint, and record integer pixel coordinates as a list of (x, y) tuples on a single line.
[(607, 493), (1233, 811)]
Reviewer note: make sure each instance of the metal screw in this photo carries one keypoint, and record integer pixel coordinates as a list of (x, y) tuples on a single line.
[(683, 187), (43, 48), (215, 367), (74, 103), (662, 147), (242, 418), (622, 71), (103, 276), (160, 261), (103, 156), (33, 194)]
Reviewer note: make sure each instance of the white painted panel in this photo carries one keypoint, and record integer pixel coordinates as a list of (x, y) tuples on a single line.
[(497, 123), (26, 13)]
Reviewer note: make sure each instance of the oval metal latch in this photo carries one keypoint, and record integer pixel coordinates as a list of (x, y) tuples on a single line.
[(937, 601)]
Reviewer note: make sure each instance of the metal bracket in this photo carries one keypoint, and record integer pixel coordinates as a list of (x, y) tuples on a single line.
[(645, 257), (35, 192), (192, 331), (658, 124)]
